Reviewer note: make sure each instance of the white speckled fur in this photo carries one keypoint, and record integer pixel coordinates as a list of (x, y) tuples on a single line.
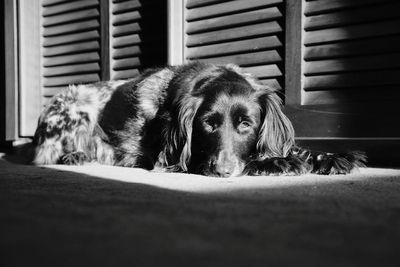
[(69, 105)]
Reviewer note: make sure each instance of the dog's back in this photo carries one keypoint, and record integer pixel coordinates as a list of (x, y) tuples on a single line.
[(103, 122), (135, 110)]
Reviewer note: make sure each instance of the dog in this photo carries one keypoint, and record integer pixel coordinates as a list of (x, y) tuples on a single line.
[(214, 120)]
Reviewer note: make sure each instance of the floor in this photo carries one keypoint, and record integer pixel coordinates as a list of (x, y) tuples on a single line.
[(111, 216)]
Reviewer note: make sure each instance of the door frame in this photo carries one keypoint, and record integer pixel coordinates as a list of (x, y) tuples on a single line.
[(22, 67)]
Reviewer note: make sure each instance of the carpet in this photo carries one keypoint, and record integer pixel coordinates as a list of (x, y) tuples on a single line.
[(111, 216)]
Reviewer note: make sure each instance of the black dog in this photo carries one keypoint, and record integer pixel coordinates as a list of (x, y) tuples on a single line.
[(197, 118)]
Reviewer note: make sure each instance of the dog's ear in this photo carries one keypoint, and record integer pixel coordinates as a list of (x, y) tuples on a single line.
[(179, 136), (187, 112), (276, 133)]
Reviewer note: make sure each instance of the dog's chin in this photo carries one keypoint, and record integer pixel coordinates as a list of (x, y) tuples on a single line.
[(208, 169), (238, 171)]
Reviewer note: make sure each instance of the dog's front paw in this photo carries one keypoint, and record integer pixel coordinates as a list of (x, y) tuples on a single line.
[(289, 166), (277, 166), (74, 158), (338, 163)]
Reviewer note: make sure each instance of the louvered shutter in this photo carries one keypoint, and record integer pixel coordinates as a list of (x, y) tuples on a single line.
[(70, 44), (351, 51), (343, 91), (125, 29), (62, 42), (245, 32), (138, 36)]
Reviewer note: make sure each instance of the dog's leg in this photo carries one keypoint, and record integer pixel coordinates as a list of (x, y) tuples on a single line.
[(130, 154), (70, 156), (77, 146), (290, 165), (65, 131), (48, 152), (301, 161), (73, 158), (332, 163), (101, 150)]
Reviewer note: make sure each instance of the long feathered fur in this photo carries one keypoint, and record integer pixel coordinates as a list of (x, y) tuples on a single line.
[(149, 121)]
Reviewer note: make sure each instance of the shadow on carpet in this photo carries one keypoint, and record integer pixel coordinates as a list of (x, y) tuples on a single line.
[(57, 217)]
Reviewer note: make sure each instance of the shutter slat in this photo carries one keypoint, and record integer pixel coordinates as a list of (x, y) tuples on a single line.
[(46, 3), (265, 71), (71, 59), (273, 83), (126, 40), (373, 46), (126, 63), (352, 16), (233, 34), (256, 44), (126, 29), (125, 6), (352, 64), (72, 48), (70, 17), (198, 3), (126, 52), (126, 18), (234, 20), (51, 91), (353, 32), (71, 38), (65, 80), (71, 69), (71, 28), (125, 74), (324, 6), (226, 8), (352, 95), (68, 7), (258, 58), (352, 80)]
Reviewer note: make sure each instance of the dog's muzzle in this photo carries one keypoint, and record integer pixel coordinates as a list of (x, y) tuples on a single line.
[(227, 165)]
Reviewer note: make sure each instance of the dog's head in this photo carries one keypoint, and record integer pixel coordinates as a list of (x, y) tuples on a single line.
[(229, 119)]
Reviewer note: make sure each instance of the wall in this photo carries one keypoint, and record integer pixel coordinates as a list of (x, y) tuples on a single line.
[(2, 78)]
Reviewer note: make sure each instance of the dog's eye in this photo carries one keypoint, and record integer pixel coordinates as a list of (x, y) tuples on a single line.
[(243, 125), (212, 121), (210, 125)]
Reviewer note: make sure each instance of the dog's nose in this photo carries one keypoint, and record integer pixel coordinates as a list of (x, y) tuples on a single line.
[(225, 164)]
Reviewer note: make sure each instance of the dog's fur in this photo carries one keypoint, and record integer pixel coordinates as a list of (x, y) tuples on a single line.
[(197, 118)]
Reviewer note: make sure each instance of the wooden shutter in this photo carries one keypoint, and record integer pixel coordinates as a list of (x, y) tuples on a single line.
[(74, 40), (62, 42), (351, 51), (138, 36), (125, 29), (70, 44), (245, 32), (343, 89)]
